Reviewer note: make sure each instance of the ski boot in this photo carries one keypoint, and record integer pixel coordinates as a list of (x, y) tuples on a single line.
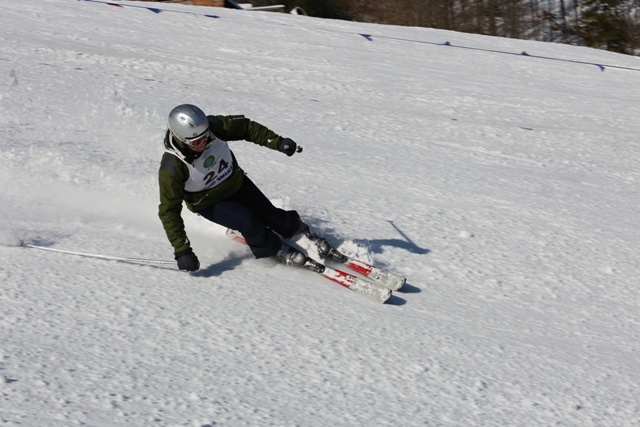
[(290, 256), (325, 250)]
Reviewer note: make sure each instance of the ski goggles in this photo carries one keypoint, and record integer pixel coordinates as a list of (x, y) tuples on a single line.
[(199, 141)]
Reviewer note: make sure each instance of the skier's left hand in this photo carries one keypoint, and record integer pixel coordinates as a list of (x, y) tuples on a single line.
[(187, 260), (288, 146)]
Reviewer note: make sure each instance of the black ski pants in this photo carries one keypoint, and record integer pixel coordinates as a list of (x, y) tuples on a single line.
[(251, 213)]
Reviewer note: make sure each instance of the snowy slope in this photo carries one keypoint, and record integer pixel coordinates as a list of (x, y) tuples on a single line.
[(504, 186)]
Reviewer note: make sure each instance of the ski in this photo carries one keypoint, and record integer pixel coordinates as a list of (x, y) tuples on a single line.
[(370, 289), (326, 250), (383, 277), (354, 283)]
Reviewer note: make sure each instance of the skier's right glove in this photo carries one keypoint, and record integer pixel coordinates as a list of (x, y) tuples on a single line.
[(187, 260), (288, 146)]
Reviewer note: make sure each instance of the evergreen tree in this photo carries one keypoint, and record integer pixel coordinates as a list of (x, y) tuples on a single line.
[(603, 26)]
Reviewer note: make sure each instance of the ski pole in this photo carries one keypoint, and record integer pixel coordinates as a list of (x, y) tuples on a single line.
[(97, 256)]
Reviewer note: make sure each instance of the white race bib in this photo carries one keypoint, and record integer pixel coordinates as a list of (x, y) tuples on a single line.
[(214, 165)]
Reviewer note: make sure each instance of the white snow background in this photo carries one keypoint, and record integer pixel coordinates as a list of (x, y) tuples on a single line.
[(504, 186)]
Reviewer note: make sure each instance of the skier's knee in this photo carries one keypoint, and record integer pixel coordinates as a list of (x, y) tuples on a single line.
[(292, 225)]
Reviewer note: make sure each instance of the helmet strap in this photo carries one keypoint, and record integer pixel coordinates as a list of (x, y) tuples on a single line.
[(181, 150)]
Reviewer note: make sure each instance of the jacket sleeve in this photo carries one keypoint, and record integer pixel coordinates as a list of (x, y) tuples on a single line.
[(171, 177), (236, 128)]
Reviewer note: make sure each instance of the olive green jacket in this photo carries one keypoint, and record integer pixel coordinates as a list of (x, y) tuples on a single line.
[(174, 173)]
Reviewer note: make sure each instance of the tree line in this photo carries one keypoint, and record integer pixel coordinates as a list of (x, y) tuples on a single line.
[(604, 24)]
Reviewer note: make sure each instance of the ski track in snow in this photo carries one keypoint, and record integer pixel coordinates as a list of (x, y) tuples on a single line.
[(504, 187)]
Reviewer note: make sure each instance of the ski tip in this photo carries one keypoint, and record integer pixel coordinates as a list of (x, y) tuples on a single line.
[(386, 296), (392, 283), (379, 293), (400, 284)]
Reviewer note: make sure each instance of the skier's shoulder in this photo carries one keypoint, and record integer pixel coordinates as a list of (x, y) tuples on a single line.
[(222, 120), (171, 164), (229, 127)]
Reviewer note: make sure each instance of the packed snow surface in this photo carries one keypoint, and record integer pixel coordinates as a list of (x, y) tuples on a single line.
[(504, 186)]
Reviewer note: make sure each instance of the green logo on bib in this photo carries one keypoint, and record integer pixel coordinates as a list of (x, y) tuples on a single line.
[(210, 161)]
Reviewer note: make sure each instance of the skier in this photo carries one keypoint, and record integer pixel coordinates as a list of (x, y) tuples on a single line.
[(199, 168)]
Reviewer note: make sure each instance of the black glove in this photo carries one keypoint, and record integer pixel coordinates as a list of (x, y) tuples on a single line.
[(187, 260), (288, 146)]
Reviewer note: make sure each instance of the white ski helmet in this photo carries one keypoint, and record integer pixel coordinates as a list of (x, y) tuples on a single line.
[(187, 122)]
